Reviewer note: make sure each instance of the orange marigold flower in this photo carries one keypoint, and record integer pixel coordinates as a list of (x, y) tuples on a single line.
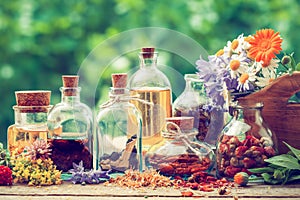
[(265, 44)]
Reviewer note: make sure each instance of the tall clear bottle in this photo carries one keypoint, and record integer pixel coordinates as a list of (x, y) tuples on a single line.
[(30, 119), (117, 145), (151, 85), (70, 128)]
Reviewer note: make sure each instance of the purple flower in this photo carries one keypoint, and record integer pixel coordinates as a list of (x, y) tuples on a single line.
[(79, 175)]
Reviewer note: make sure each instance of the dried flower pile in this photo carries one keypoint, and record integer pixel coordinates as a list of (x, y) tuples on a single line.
[(35, 172), (34, 167), (135, 179)]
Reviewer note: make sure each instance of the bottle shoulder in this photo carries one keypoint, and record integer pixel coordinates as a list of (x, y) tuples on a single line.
[(149, 77)]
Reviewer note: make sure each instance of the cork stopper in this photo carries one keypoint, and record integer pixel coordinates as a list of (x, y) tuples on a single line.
[(70, 80), (185, 123), (70, 83), (119, 80), (33, 98), (148, 52)]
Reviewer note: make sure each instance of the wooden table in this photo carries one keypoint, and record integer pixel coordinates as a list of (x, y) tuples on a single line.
[(70, 191)]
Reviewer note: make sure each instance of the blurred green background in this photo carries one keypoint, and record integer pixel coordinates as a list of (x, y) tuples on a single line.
[(42, 40)]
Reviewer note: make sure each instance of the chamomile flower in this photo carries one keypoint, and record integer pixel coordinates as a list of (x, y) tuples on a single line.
[(237, 65), (266, 79), (235, 46), (266, 68), (246, 80)]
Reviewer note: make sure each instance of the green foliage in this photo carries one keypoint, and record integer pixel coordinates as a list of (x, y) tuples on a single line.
[(41, 40), (282, 169)]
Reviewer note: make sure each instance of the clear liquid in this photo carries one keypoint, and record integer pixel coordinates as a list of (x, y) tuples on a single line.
[(153, 116), (19, 138)]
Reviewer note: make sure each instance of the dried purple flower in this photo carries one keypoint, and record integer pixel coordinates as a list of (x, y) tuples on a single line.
[(79, 175), (39, 149)]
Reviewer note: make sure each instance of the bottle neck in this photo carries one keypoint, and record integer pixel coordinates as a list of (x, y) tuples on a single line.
[(148, 61), (31, 117), (249, 113), (70, 95)]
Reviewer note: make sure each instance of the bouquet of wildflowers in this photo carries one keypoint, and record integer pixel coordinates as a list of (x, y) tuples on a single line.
[(244, 65)]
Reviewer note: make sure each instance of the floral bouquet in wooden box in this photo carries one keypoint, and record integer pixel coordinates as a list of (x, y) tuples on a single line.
[(248, 69)]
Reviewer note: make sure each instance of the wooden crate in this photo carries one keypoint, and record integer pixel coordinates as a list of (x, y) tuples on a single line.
[(282, 117)]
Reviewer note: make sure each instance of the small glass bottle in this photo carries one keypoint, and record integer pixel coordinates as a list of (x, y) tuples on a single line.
[(245, 142), (192, 102), (117, 145), (151, 85), (180, 153), (30, 120), (70, 128)]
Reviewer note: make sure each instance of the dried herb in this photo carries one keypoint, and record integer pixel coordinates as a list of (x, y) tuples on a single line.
[(282, 169), (79, 175)]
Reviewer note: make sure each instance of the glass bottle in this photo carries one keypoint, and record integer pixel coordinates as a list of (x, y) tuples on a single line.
[(70, 128), (151, 85), (117, 145), (180, 153), (245, 142), (192, 102), (30, 120)]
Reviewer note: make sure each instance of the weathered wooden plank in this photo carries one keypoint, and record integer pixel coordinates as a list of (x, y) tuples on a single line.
[(70, 191)]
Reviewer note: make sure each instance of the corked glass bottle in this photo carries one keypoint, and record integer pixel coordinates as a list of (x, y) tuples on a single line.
[(245, 142), (151, 85), (70, 128), (117, 145), (180, 153), (192, 102), (30, 119)]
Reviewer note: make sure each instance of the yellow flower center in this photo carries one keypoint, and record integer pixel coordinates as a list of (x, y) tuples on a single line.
[(234, 65), (271, 80), (220, 52), (244, 78), (234, 44)]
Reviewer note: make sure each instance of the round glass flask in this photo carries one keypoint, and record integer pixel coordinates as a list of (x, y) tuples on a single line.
[(245, 141)]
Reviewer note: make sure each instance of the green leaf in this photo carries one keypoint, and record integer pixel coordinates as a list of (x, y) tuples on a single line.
[(279, 174), (284, 160), (295, 151), (269, 179), (294, 178), (261, 170), (298, 67)]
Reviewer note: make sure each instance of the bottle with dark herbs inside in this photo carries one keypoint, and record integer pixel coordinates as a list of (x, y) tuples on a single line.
[(70, 128)]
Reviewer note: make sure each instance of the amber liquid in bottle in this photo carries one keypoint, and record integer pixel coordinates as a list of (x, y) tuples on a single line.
[(153, 116), (19, 138)]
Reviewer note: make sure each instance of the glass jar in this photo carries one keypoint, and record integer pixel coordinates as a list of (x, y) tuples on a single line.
[(119, 127), (70, 128), (30, 120), (180, 153), (245, 141), (151, 85), (192, 102)]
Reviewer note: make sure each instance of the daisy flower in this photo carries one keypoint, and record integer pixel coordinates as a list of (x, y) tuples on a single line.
[(266, 80), (265, 44), (237, 65), (246, 80), (269, 67)]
